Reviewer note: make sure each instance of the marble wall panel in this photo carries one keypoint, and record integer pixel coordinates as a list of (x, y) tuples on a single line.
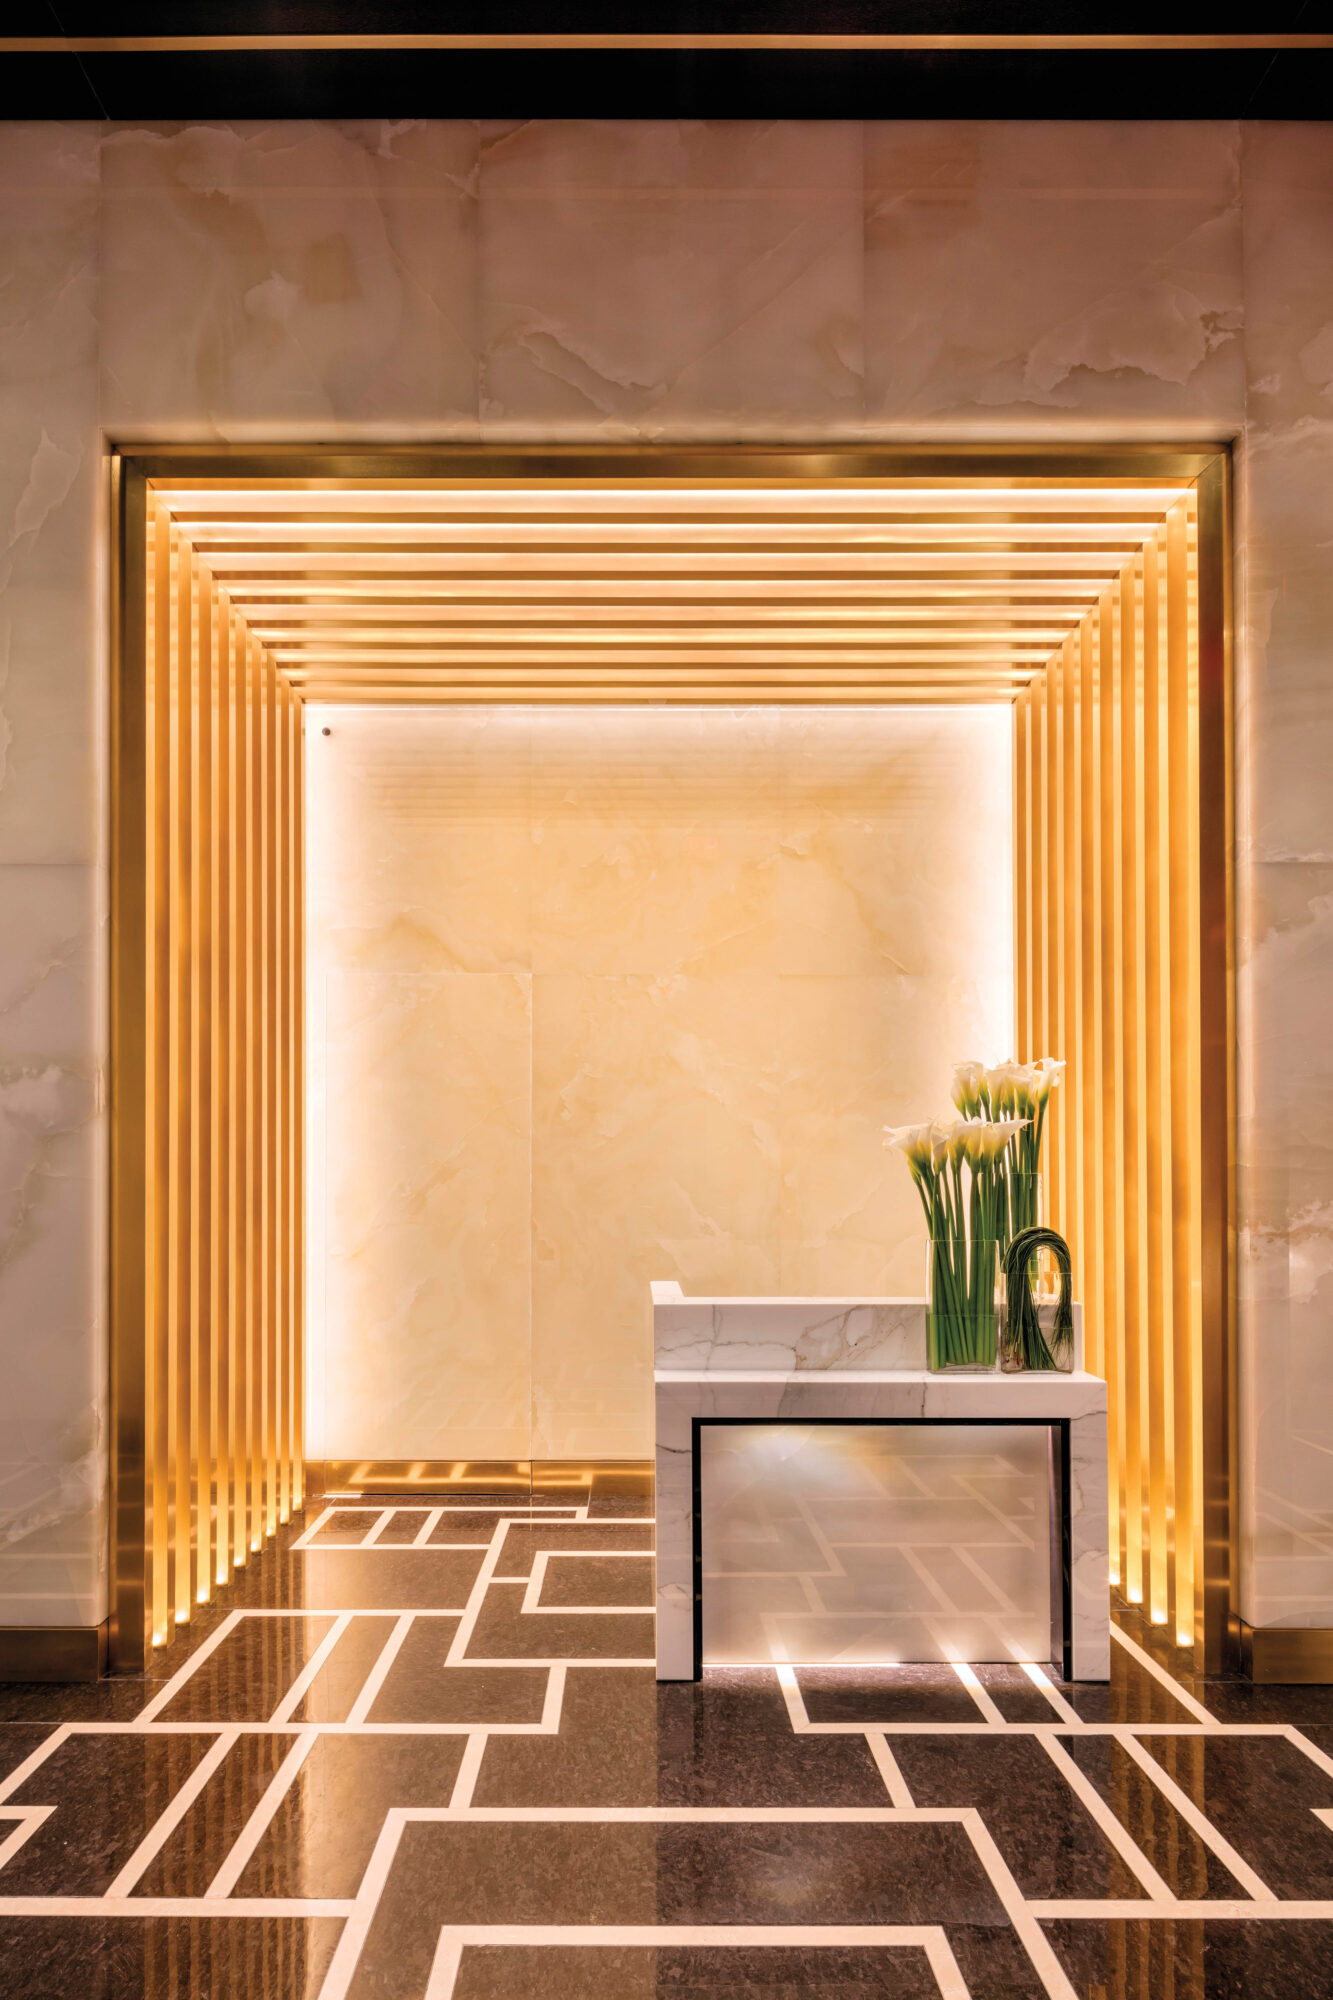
[(753, 937), (1089, 273), (266, 279), (653, 279), (426, 1193), (1285, 930), (53, 1461), (50, 495)]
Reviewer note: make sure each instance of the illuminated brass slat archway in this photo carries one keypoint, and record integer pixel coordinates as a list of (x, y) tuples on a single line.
[(251, 582)]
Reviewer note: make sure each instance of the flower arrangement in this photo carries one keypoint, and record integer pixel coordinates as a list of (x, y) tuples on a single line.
[(997, 1142)]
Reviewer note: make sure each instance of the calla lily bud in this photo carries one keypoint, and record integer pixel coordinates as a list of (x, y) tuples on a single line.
[(914, 1140), (968, 1082), (1049, 1072)]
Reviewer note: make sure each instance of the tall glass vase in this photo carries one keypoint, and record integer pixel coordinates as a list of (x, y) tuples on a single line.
[(962, 1320)]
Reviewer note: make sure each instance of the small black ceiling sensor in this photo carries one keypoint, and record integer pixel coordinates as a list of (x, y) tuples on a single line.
[(326, 731)]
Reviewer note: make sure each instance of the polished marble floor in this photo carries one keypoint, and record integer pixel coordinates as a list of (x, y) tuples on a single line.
[(420, 1752)]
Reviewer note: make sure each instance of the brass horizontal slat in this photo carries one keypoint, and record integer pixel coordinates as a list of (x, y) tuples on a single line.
[(703, 659), (654, 563), (1060, 596), (616, 531), (704, 697), (709, 501), (984, 639), (1034, 620)]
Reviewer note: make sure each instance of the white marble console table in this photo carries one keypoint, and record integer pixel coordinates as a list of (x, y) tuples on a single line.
[(849, 1361)]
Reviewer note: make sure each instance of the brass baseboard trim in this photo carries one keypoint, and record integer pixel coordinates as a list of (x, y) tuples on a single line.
[(1296, 1655), (53, 1652), (438, 1478)]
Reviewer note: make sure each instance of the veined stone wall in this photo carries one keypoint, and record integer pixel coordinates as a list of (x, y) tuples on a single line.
[(653, 281)]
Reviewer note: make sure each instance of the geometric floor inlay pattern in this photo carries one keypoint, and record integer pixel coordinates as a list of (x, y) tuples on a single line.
[(420, 1754)]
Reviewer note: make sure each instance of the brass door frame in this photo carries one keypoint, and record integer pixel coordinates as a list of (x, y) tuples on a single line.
[(1207, 467)]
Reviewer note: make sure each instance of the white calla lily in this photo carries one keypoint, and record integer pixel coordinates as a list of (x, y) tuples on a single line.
[(969, 1084)]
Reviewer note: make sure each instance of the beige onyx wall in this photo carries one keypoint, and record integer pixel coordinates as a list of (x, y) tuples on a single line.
[(603, 995), (651, 281)]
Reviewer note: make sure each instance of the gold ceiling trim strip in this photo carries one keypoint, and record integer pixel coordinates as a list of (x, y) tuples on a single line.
[(685, 43)]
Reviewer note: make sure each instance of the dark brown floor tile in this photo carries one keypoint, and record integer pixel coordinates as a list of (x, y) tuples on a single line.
[(18, 1740), (575, 1581), (194, 1852), (346, 1524), (503, 1631), (1120, 1959), (1014, 1695), (474, 1526), (107, 1791), (525, 1539), (685, 1872), (246, 1676), (867, 1695), (727, 1740), (1259, 1792), (333, 1692), (47, 1703), (161, 1958), (325, 1830), (1238, 1701), (390, 1579), (802, 1972), (420, 1688), (605, 1753), (402, 1530), (1184, 1861), (1050, 1840)]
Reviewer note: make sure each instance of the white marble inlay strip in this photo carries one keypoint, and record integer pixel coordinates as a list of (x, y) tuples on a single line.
[(29, 1818), (469, 1769), (554, 1702), (930, 1940), (342, 1966), (174, 1906), (1185, 1912), (894, 1782), (1052, 1693), (1033, 1938), (290, 1702), (303, 1540), (21, 1773), (1159, 1673), (195, 1661), (978, 1693), (369, 1539), (428, 1527), (1203, 1826), (229, 1874), (477, 1596), (167, 1822), (375, 1679), (532, 1607), (1119, 1836), (1304, 1745)]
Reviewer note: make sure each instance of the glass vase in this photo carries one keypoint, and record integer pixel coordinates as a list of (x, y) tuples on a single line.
[(962, 1321)]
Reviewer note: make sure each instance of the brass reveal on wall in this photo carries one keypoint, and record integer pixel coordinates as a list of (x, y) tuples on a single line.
[(1087, 587)]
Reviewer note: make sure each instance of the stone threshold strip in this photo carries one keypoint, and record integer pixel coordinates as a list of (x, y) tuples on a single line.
[(1157, 1901)]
